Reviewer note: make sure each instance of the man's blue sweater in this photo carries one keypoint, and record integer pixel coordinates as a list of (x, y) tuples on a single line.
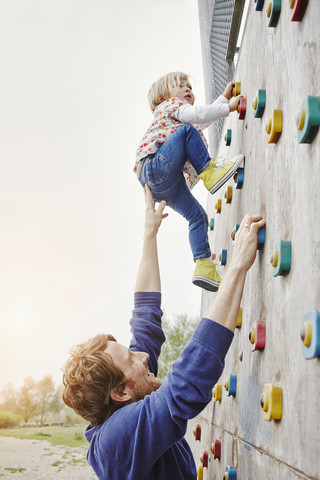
[(145, 440)]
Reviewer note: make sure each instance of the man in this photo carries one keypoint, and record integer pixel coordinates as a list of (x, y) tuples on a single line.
[(138, 424)]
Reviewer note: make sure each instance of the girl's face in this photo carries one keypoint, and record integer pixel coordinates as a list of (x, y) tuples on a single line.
[(183, 90)]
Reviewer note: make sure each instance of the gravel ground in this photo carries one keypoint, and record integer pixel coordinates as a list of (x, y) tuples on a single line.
[(40, 460)]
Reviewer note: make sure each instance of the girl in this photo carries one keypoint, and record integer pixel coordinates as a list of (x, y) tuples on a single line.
[(173, 156)]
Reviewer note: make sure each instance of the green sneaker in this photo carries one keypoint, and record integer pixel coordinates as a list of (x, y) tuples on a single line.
[(218, 172), (206, 276)]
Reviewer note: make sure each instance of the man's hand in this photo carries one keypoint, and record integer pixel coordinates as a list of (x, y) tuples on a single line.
[(246, 240), (148, 278), (153, 217)]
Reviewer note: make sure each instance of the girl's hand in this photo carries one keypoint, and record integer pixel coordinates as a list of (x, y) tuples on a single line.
[(228, 90), (234, 102)]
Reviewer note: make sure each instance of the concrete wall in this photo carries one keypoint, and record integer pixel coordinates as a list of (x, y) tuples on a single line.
[(281, 183)]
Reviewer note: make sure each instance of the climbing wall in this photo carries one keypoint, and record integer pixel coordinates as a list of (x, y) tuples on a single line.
[(266, 424)]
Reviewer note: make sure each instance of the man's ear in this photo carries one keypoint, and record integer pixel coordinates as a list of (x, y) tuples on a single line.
[(120, 395)]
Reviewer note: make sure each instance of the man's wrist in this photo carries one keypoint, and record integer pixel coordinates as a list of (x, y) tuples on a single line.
[(149, 235), (236, 269)]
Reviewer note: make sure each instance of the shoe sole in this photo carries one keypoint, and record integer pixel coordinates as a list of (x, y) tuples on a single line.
[(206, 283), (228, 175)]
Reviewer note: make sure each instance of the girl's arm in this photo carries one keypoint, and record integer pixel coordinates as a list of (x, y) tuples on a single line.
[(204, 115)]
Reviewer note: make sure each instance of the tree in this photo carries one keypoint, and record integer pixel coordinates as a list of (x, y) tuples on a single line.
[(177, 333), (27, 400), (9, 396), (45, 391), (37, 401)]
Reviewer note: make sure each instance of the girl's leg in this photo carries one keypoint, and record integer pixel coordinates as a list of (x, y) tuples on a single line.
[(163, 170), (157, 173), (183, 202), (163, 174)]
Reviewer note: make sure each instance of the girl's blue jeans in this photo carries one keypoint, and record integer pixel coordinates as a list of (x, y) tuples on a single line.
[(162, 171)]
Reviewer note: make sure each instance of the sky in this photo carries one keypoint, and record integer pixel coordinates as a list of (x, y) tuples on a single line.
[(73, 107)]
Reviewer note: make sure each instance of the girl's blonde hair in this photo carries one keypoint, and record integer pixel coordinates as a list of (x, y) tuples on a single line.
[(160, 90)]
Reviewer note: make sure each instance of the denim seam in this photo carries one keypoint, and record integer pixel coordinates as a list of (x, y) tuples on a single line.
[(165, 177), (197, 257), (161, 192)]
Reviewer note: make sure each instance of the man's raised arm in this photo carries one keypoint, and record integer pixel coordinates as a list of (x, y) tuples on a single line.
[(148, 277), (225, 308)]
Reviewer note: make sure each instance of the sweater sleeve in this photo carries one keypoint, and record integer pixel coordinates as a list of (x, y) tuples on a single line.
[(198, 368), (139, 437), (147, 333), (204, 115)]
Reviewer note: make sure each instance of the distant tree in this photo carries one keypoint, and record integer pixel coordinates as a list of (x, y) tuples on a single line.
[(9, 396), (56, 404), (177, 333), (45, 393), (27, 399), (37, 401)]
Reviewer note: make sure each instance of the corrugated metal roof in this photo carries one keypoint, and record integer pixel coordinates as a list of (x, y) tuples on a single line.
[(219, 40)]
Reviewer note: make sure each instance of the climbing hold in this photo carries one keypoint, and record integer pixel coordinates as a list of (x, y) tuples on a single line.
[(259, 5), (218, 205), (216, 448), (252, 335), (310, 334), (281, 259), (227, 137), (308, 120), (236, 89), (197, 432), (228, 194), (211, 225), (271, 402), (230, 473), (257, 336), (259, 103), (306, 333), (299, 8), (273, 12), (213, 257), (301, 119), (217, 392), (200, 472), (204, 459), (234, 231), (274, 258), (239, 319), (223, 257), (261, 237), (241, 356), (231, 385), (274, 126), (239, 177), (242, 108)]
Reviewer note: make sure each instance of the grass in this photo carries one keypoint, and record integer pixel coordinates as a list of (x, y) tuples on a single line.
[(66, 436), (14, 470)]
